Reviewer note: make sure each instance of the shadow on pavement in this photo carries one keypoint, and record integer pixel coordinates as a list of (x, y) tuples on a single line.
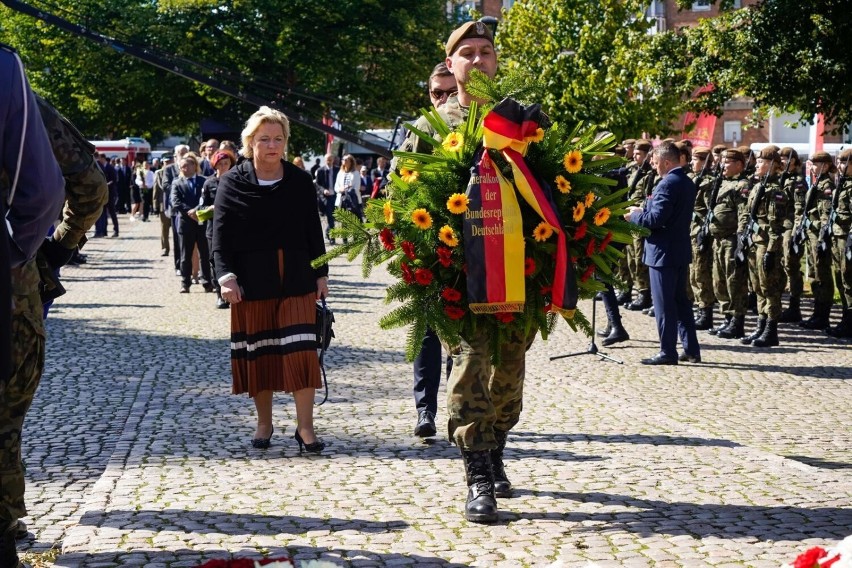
[(659, 440)]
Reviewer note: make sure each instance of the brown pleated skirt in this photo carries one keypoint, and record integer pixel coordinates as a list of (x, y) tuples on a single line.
[(274, 345)]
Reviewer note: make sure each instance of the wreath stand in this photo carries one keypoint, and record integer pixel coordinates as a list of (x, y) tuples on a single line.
[(593, 348)]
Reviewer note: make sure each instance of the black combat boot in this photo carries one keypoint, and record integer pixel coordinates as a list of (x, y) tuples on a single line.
[(605, 331), (721, 326), (8, 551), (623, 298), (735, 329), (642, 301), (761, 325), (793, 312), (617, 335), (844, 328), (502, 485), (705, 319), (769, 337), (481, 506), (820, 318)]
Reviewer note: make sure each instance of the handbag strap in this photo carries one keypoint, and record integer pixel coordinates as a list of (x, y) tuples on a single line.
[(322, 352)]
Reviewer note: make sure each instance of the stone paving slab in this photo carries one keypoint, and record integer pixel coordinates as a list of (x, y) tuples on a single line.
[(137, 454)]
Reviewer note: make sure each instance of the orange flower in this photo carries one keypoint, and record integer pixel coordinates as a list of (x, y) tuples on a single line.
[(579, 211), (448, 236), (457, 203), (388, 211), (453, 142), (602, 216), (408, 175), (590, 198), (542, 232), (421, 218), (538, 136), (573, 161), (563, 184)]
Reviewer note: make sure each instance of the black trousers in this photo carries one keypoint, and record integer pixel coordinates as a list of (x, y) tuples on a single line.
[(191, 235), (427, 373)]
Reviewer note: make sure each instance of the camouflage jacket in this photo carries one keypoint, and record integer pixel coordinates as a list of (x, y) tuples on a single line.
[(771, 214), (821, 206), (453, 114), (843, 221), (796, 189), (729, 212), (703, 183)]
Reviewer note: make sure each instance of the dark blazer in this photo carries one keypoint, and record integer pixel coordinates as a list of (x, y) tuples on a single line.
[(185, 196), (668, 213)]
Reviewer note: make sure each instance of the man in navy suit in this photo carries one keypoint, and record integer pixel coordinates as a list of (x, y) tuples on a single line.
[(668, 252)]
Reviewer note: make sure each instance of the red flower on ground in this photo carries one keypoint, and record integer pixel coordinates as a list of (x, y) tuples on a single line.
[(809, 558), (581, 231), (408, 248), (454, 312), (605, 242), (451, 294), (546, 308), (407, 275), (529, 266), (588, 273), (505, 317), (386, 238), (591, 246), (423, 276), (445, 256)]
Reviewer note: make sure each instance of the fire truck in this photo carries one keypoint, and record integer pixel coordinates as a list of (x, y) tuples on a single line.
[(136, 150)]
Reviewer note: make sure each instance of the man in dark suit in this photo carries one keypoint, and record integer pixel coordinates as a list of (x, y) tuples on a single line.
[(668, 252), (326, 175)]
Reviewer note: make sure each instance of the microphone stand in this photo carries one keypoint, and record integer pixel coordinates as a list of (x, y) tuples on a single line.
[(593, 348)]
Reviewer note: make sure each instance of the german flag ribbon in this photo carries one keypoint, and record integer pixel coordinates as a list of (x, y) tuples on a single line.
[(508, 129)]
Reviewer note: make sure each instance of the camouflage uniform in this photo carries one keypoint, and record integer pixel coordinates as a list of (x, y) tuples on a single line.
[(768, 282), (796, 188), (701, 269), (843, 265), (452, 113), (622, 270), (820, 273), (86, 193), (729, 279), (638, 271)]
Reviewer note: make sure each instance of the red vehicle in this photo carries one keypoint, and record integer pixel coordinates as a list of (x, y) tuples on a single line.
[(136, 150)]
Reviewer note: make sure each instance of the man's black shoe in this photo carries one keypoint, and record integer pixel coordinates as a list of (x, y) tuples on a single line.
[(687, 358), (659, 359), (425, 425), (184, 289)]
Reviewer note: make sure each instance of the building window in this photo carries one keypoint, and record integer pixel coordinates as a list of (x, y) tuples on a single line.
[(701, 6), (508, 3), (733, 131)]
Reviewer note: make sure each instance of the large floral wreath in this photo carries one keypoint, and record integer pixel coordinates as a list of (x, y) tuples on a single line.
[(504, 226)]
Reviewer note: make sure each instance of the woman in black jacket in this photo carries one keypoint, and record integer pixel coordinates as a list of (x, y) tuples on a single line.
[(266, 231)]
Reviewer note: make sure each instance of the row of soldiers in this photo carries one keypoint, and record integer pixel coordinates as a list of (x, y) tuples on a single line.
[(757, 216)]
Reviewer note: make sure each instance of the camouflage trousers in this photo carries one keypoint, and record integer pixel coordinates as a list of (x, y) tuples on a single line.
[(701, 276), (638, 270), (730, 282), (820, 274), (767, 284), (622, 272), (793, 267), (842, 271), (482, 397), (28, 340)]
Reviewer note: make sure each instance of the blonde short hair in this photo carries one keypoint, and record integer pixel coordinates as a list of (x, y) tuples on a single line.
[(193, 157), (263, 115)]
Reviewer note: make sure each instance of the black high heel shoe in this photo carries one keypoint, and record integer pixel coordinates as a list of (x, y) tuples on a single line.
[(313, 448), (262, 443)]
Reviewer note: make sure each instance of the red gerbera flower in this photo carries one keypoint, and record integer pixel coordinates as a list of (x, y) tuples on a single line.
[(407, 275), (581, 231), (809, 558), (546, 308), (445, 256), (605, 242), (451, 294), (504, 317), (454, 312), (386, 238), (408, 249), (588, 273), (591, 246), (529, 266), (423, 276), (545, 290)]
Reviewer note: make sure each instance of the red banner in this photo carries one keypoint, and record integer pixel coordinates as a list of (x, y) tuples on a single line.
[(702, 133)]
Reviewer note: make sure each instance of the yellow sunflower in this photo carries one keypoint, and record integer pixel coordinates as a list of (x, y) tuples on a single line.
[(563, 184), (573, 161), (590, 198), (448, 236), (388, 211), (602, 216), (542, 232), (457, 203), (421, 218), (579, 211), (453, 142), (408, 175), (538, 136)]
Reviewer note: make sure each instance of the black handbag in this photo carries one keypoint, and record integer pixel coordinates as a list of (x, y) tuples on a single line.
[(325, 319)]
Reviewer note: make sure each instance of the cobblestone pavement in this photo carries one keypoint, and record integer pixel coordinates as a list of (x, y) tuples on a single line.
[(138, 455)]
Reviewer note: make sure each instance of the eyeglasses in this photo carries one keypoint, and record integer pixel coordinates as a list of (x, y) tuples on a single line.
[(439, 94)]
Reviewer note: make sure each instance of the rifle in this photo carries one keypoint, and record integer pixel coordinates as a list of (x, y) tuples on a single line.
[(799, 236), (702, 239), (746, 240), (825, 232)]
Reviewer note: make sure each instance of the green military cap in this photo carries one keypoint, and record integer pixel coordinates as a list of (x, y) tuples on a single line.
[(788, 151), (700, 152), (468, 30), (770, 153), (746, 150), (628, 141), (822, 158), (619, 150), (718, 149), (734, 154), (845, 155), (687, 142), (643, 145)]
